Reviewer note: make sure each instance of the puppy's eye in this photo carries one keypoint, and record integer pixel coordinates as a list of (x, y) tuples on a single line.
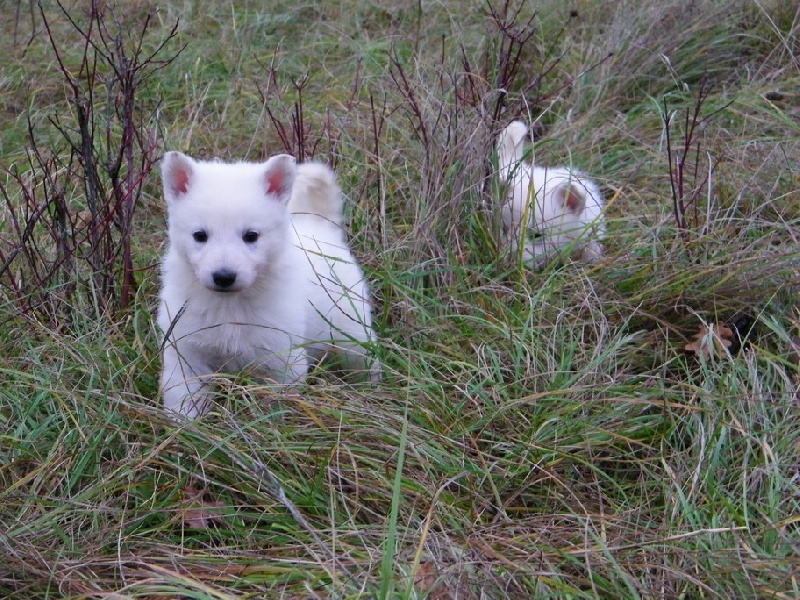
[(200, 236), (250, 237)]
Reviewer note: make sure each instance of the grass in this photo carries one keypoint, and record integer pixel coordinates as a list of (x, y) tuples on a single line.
[(536, 434)]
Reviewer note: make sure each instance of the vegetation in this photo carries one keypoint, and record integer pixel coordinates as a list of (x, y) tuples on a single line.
[(537, 434)]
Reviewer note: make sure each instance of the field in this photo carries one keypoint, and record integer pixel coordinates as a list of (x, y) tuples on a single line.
[(536, 434)]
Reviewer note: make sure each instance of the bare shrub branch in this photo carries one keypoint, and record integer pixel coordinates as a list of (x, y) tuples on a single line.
[(61, 238), (688, 182), (299, 136)]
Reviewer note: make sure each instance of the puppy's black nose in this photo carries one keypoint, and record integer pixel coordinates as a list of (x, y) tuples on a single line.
[(224, 278)]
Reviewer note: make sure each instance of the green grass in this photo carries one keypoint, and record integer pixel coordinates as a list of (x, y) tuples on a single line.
[(536, 434)]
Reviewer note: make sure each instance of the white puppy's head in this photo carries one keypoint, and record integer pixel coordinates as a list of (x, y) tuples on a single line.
[(228, 222), (546, 208)]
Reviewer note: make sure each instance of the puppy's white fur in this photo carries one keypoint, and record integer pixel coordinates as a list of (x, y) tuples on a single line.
[(547, 208), (247, 284), (339, 308)]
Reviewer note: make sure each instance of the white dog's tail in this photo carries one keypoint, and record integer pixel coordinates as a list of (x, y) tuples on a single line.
[(509, 146), (316, 193)]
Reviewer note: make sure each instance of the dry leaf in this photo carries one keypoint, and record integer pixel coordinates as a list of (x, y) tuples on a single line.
[(426, 577), (200, 512), (426, 582), (711, 340)]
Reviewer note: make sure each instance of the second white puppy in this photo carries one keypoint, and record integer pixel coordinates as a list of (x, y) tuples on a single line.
[(245, 284), (547, 208)]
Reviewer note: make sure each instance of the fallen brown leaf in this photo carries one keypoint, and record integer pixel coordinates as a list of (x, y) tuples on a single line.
[(711, 340), (200, 512), (426, 582)]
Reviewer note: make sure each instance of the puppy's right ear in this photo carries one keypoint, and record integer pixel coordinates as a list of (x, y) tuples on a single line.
[(177, 171), (509, 146), (572, 196), (279, 174)]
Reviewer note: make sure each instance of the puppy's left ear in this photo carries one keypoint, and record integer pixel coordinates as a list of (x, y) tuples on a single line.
[(572, 196), (279, 174)]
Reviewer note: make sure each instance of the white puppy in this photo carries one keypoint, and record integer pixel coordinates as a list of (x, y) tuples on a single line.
[(547, 208), (245, 284)]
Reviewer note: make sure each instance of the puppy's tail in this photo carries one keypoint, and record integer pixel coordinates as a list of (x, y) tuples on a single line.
[(509, 146), (317, 193)]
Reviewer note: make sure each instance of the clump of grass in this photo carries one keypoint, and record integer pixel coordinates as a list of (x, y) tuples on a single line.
[(537, 434)]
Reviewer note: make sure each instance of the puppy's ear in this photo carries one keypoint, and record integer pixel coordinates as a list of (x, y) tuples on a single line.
[(509, 146), (279, 174), (177, 171), (572, 196)]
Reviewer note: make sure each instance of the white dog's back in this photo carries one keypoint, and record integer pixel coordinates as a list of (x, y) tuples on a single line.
[(338, 289)]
